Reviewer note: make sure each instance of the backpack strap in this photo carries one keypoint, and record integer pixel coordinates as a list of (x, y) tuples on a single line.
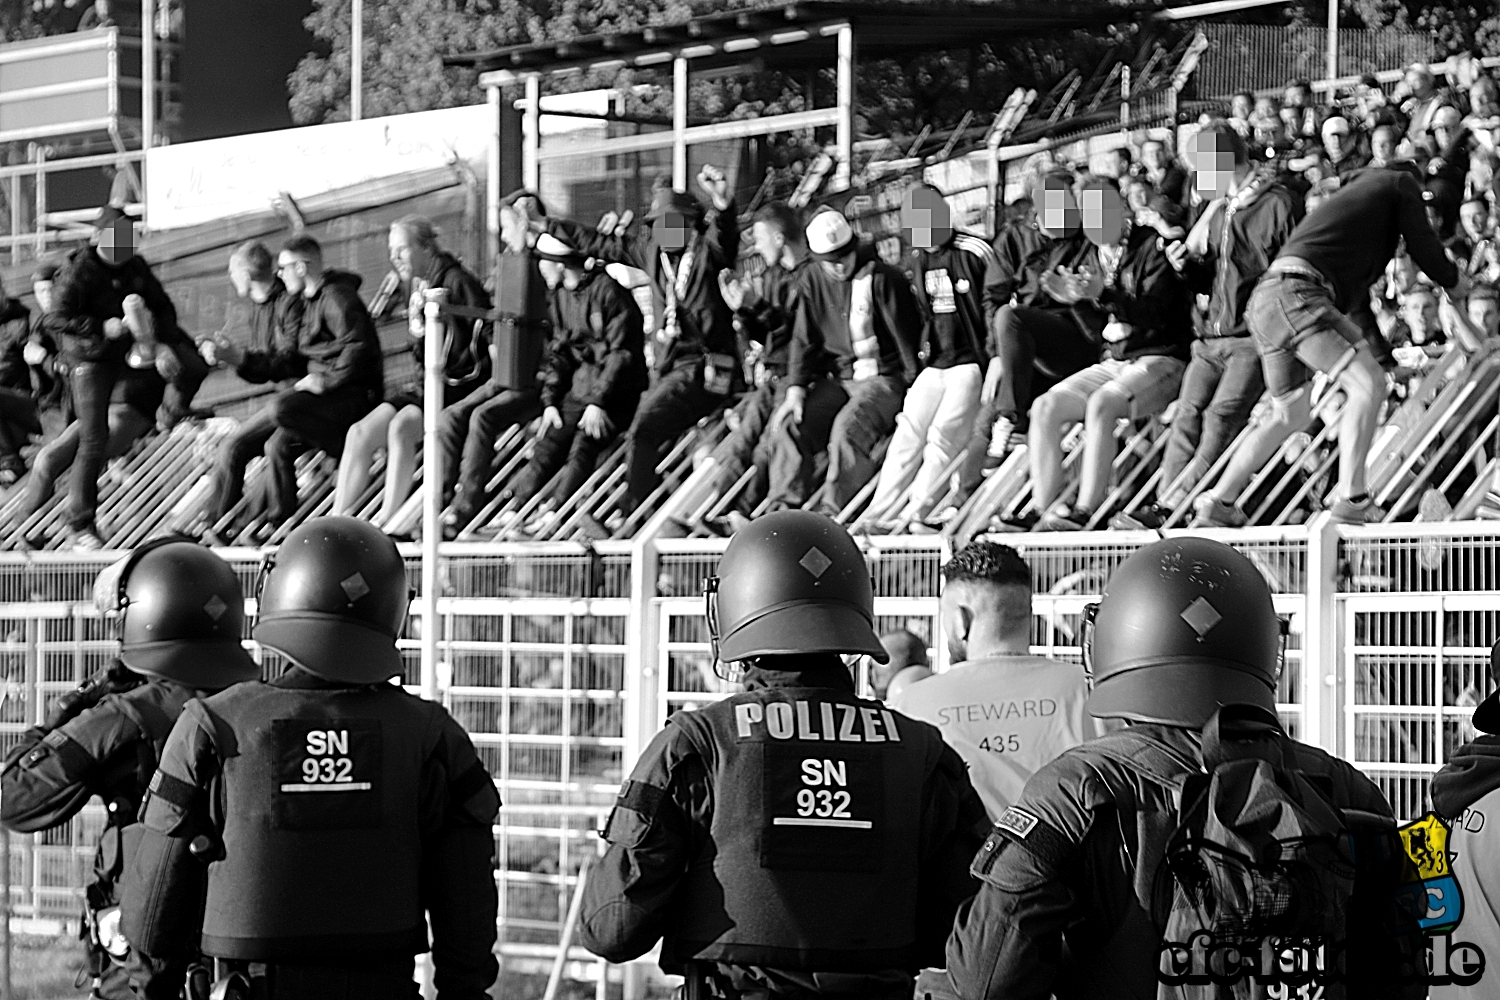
[(1240, 732)]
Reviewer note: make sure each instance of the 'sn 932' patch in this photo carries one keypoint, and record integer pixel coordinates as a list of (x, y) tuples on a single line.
[(328, 774), (824, 807)]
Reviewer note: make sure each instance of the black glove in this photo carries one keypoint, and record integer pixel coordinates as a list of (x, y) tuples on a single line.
[(114, 679)]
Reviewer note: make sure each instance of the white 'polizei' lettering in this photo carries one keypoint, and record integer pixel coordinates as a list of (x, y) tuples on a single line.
[(816, 722)]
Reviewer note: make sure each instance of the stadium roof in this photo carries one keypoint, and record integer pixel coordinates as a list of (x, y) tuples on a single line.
[(882, 29)]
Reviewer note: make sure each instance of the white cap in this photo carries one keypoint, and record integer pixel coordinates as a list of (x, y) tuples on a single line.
[(1336, 124), (829, 235)]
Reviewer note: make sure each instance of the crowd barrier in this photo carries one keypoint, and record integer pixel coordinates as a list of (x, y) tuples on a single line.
[(562, 660)]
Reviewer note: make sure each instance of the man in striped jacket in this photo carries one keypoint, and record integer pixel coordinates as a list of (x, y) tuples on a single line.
[(854, 353), (938, 415)]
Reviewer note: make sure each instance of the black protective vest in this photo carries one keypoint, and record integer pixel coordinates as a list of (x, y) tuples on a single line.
[(321, 822), (814, 847)]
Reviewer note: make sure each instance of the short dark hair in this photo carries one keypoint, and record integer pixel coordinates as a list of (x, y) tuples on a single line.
[(1370, 80), (303, 246), (989, 562), (254, 257), (781, 217)]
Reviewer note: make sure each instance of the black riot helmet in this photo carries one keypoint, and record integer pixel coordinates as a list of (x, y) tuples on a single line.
[(180, 612), (792, 582), (332, 600), (1186, 625)]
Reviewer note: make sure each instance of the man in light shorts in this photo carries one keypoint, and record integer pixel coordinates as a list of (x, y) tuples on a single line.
[(1311, 312), (1126, 296)]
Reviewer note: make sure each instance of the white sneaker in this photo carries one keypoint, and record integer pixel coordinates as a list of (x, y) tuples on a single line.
[(1000, 437)]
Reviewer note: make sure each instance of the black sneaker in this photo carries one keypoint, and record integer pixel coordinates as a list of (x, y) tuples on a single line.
[(1148, 518)]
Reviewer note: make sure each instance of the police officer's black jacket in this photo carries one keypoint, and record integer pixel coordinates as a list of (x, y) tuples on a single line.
[(793, 836), (317, 878), (109, 750), (89, 291), (1067, 879)]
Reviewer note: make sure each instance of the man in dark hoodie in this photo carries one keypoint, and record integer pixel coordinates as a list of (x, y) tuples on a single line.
[(1127, 295), (763, 314), (1466, 792), (339, 350), (698, 363), (592, 375), (855, 330), (90, 324), (396, 424), (1230, 246), (793, 840), (275, 323)]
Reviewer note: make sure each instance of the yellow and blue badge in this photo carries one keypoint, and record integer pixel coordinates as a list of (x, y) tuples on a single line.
[(1429, 888)]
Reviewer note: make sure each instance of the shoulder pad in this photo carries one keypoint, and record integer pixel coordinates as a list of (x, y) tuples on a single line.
[(216, 729), (1055, 813)]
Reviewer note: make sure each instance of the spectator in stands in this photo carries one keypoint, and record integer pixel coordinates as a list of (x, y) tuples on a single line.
[(396, 424), (1300, 317), (855, 329), (1374, 108), (1484, 108), (905, 649), (1033, 337), (1241, 108), (340, 352), (1419, 315), (1385, 140), (592, 376), (18, 410), (470, 427), (986, 619), (99, 14), (1450, 141), (270, 357), (90, 324), (1229, 248), (1127, 296), (1484, 309), (1342, 147), (1425, 101), (1298, 111), (48, 374), (1119, 163), (763, 314), (1159, 168), (937, 416), (699, 366), (135, 395)]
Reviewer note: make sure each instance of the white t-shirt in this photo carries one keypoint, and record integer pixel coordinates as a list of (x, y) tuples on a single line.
[(1006, 716)]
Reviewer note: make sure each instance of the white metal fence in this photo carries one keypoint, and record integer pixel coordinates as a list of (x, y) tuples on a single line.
[(562, 661)]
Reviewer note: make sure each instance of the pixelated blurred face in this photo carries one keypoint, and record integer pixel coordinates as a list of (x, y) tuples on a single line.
[(769, 242), (1383, 145), (671, 231), (1421, 315), (926, 220), (841, 268), (552, 272), (1213, 165), (1475, 219), (1057, 215), (116, 242), (1485, 314), (1241, 107), (1103, 215), (43, 292)]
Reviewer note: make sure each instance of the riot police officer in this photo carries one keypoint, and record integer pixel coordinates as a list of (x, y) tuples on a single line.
[(1076, 872), (793, 840), (336, 812), (179, 611)]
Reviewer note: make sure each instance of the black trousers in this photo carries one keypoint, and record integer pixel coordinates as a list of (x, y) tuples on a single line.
[(235, 453), (669, 408), (1036, 346), (569, 449), (306, 420), (468, 430)]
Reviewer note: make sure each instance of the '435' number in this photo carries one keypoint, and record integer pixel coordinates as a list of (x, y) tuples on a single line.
[(1001, 743), (327, 770)]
